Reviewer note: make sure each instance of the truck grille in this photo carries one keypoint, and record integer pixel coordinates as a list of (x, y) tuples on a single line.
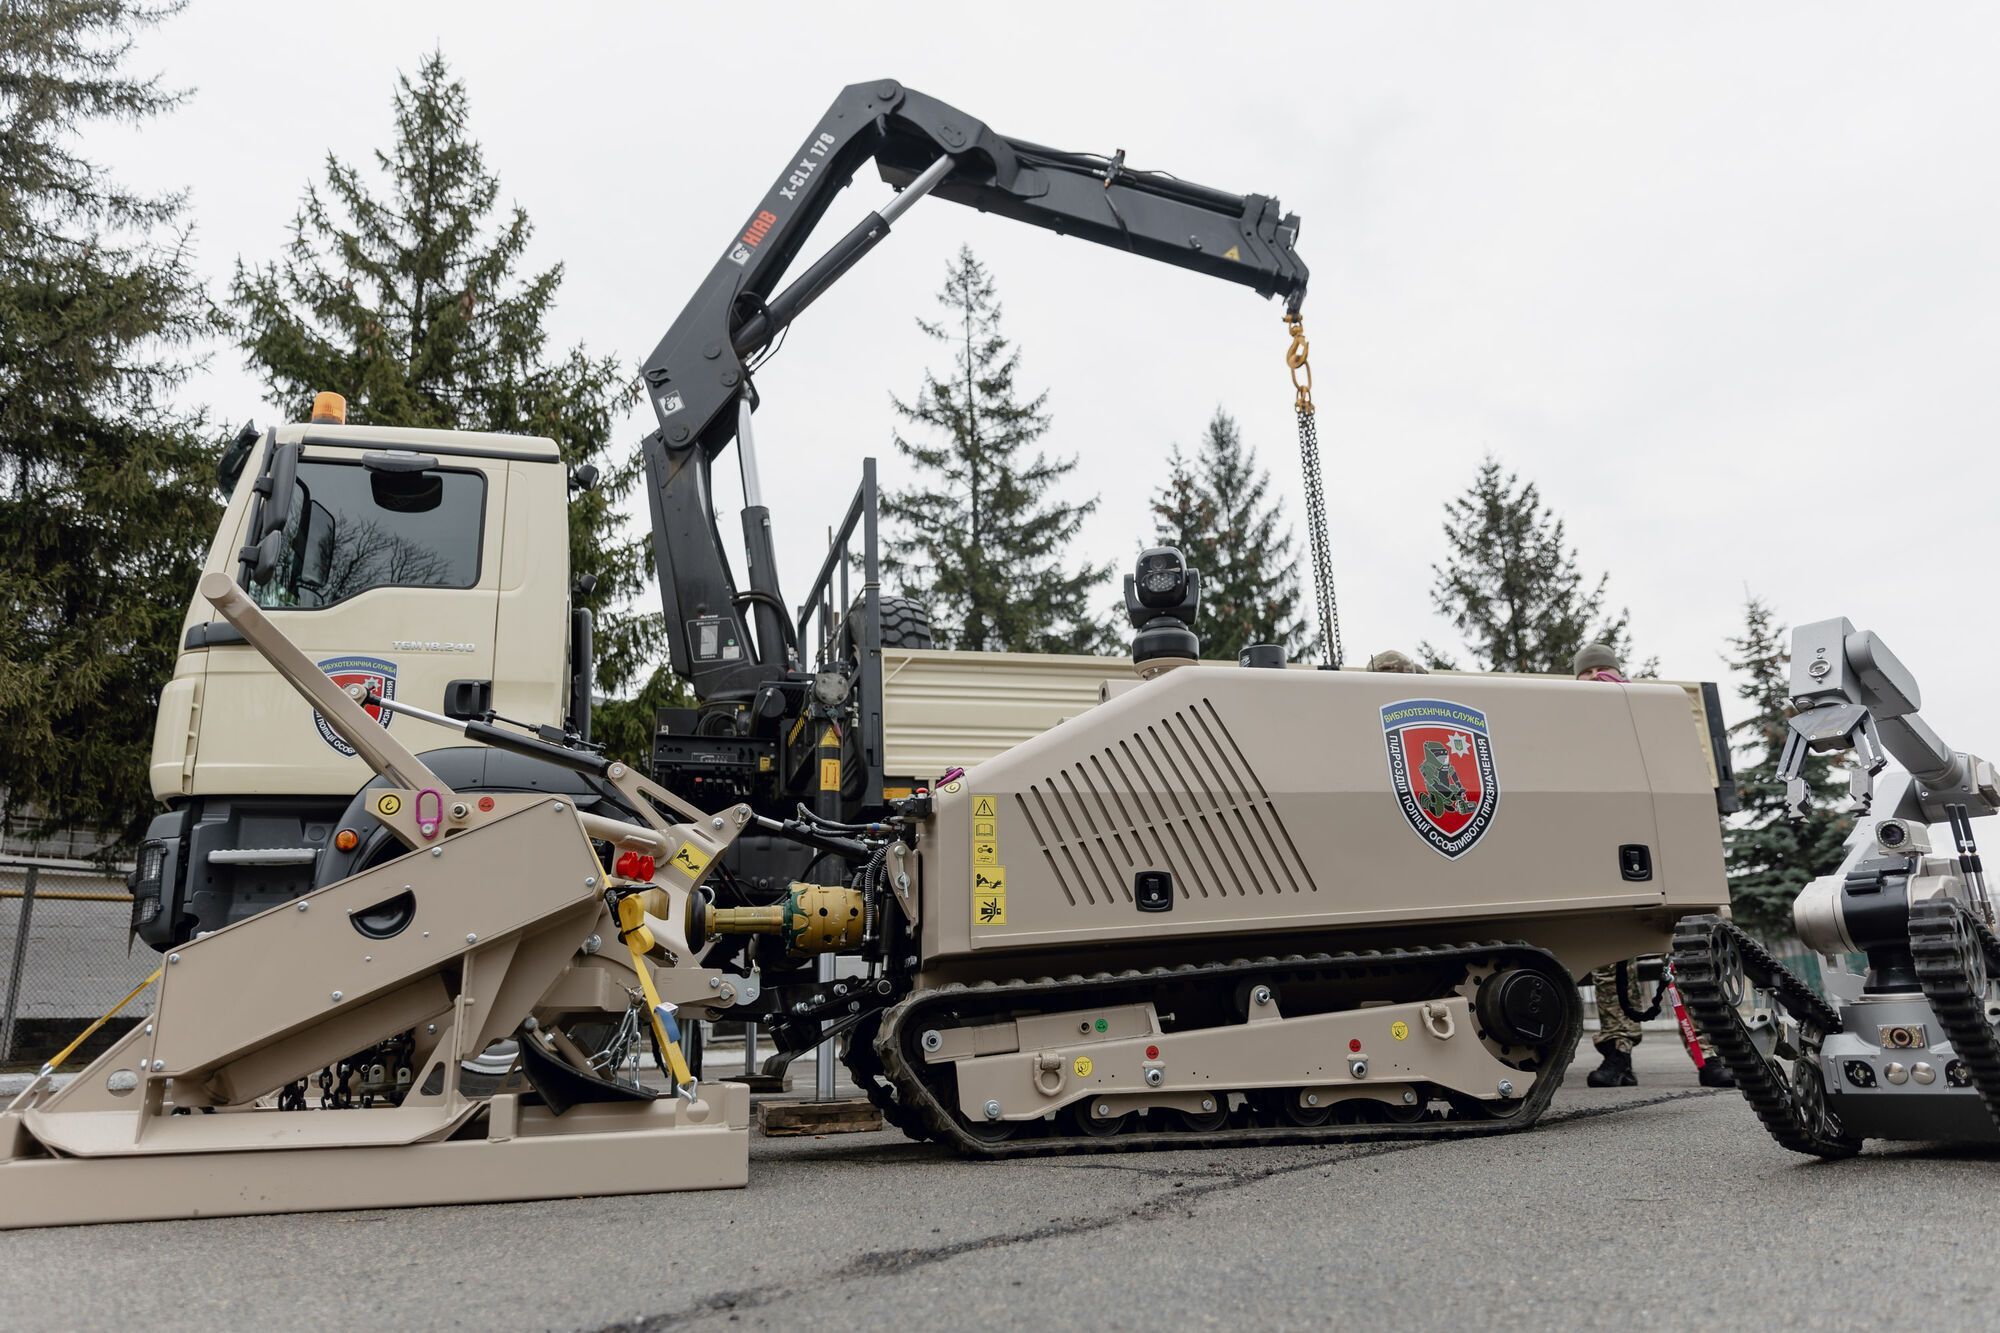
[(1177, 795)]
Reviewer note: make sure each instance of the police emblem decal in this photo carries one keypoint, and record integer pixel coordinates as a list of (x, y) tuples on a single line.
[(1441, 766), (378, 674)]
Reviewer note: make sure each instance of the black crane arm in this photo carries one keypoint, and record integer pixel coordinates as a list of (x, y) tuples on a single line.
[(697, 380)]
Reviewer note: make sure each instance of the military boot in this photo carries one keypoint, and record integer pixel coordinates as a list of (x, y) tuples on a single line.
[(1615, 1072), (1714, 1074)]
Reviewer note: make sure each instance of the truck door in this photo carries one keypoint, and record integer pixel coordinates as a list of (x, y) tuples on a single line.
[(390, 577)]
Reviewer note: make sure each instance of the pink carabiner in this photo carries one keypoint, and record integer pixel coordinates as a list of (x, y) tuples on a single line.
[(429, 827)]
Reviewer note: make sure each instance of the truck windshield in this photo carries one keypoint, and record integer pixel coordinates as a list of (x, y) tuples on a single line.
[(353, 529)]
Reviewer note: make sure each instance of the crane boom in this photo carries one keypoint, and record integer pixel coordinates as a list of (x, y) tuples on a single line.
[(697, 378)]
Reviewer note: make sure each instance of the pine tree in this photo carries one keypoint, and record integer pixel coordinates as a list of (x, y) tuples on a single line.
[(1770, 857), (1184, 515), (410, 304), (984, 534), (1511, 586), (1229, 530), (106, 490)]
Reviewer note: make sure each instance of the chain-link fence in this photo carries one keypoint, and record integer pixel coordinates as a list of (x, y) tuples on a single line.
[(65, 958)]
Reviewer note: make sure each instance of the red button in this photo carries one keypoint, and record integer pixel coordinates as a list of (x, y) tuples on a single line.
[(486, 803), (1152, 1052), (1354, 1045)]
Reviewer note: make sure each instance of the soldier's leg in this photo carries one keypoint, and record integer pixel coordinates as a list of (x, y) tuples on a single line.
[(1714, 1074), (1616, 1036), (1615, 1030)]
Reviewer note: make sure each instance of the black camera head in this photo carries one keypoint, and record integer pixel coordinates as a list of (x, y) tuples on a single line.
[(1162, 599)]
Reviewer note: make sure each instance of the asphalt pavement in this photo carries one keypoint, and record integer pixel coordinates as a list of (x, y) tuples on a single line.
[(1661, 1205)]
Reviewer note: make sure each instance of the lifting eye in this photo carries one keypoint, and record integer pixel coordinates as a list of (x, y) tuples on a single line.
[(388, 918)]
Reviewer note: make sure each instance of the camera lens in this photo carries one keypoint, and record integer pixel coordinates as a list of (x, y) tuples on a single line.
[(1159, 571)]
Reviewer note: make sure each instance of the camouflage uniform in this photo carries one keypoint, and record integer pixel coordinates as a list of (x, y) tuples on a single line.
[(1615, 1029)]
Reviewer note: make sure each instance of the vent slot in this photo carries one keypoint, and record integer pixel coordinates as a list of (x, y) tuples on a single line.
[(1179, 795)]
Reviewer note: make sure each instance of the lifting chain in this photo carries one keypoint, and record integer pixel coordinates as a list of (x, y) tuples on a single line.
[(1297, 358)]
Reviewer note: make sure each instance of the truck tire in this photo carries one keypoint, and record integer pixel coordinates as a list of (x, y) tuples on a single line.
[(906, 623)]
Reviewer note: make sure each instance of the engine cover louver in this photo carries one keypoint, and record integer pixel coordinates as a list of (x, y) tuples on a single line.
[(1177, 795)]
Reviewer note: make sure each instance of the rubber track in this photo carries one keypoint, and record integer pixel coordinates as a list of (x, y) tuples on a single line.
[(1771, 1095), (866, 1068), (1940, 928), (915, 1092)]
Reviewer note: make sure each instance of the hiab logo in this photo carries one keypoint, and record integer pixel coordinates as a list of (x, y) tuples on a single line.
[(752, 237)]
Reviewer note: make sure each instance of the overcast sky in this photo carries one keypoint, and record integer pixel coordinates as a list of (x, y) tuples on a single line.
[(1720, 278)]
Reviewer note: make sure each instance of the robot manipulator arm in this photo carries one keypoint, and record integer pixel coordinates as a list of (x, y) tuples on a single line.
[(1823, 729), (1851, 692)]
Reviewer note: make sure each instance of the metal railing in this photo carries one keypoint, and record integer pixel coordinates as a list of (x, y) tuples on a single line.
[(836, 618), (66, 956)]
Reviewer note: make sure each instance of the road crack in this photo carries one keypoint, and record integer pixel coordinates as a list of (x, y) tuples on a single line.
[(1194, 1185)]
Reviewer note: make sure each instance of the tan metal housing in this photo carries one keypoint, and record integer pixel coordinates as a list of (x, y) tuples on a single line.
[(1267, 796)]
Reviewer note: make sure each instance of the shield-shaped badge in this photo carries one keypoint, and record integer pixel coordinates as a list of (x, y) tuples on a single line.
[(1441, 765), (376, 673)]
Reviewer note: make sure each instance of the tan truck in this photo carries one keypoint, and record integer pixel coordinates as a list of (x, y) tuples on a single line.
[(431, 565)]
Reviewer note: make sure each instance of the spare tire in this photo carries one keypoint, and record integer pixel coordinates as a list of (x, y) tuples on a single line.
[(906, 623)]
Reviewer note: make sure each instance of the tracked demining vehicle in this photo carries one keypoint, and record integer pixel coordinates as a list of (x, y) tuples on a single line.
[(1231, 904)]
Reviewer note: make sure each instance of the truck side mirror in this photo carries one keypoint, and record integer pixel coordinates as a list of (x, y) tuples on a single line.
[(276, 486), (234, 455), (264, 555)]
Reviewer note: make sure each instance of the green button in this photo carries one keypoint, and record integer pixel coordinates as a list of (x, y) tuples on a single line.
[(1101, 1025)]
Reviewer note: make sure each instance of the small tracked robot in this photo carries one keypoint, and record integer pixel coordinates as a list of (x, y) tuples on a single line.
[(1907, 1051)]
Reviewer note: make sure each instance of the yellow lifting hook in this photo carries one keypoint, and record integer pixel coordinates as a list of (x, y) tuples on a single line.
[(1295, 358)]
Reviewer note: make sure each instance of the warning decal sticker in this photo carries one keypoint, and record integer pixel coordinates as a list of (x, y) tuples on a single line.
[(989, 876), (689, 859)]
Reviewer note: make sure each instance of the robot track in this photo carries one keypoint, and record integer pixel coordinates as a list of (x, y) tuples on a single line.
[(1955, 953), (1713, 959), (921, 1096)]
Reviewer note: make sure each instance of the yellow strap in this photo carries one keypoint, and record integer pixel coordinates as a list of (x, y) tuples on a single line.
[(85, 1035), (632, 916)]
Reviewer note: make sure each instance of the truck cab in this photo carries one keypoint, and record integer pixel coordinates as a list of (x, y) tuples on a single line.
[(431, 566)]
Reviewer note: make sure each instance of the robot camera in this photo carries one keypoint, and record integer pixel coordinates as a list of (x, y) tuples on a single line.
[(1899, 837)]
